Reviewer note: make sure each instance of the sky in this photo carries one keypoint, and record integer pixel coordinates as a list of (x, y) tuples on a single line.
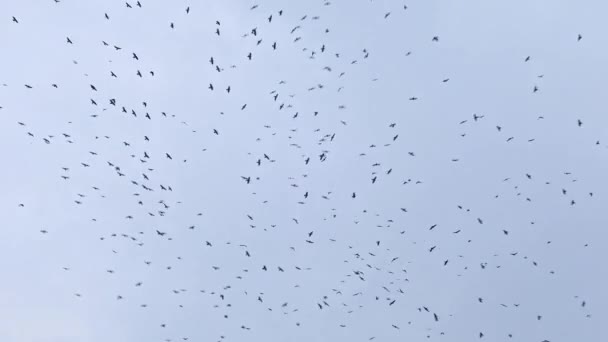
[(429, 170)]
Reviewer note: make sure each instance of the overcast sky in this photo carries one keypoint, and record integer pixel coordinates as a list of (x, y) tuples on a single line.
[(449, 157)]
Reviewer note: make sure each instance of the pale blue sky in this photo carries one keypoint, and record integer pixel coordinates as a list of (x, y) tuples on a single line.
[(437, 163)]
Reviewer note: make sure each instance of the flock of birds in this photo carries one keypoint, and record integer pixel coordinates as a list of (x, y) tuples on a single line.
[(287, 209)]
